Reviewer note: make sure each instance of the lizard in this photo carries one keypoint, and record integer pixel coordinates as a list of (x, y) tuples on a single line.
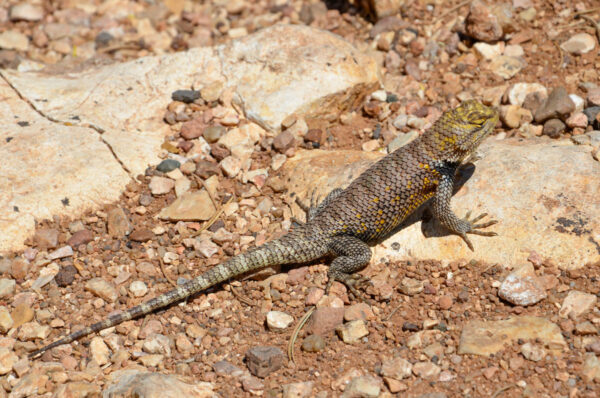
[(348, 221)]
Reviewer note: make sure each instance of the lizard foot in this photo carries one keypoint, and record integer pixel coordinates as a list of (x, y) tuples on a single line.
[(475, 229), (352, 281)]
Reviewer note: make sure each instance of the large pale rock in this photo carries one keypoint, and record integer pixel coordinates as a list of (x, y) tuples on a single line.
[(488, 337), (541, 204), (56, 165), (48, 169), (135, 383)]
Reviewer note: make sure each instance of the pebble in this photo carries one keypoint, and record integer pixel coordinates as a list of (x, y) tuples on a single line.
[(482, 24), (252, 385), (576, 304), (489, 51), (298, 390), (284, 141), (363, 387), (231, 166), (7, 360), (426, 370), (226, 368), (157, 343), (264, 360), (26, 12), (410, 286), (445, 302), (379, 95), (506, 67), (358, 311), (352, 332), (277, 320), (118, 223), (553, 128), (19, 268), (558, 105), (186, 96), (519, 91), (65, 251), (578, 44), (533, 352), (99, 351), (81, 237), (192, 129), (138, 288), (578, 119), (7, 287), (212, 91), (32, 330), (161, 185), (521, 287), (168, 165), (141, 235), (513, 116), (578, 101), (324, 320), (13, 40), (6, 321), (585, 328), (102, 289), (213, 133), (46, 238), (313, 343), (397, 368), (22, 314), (591, 368), (65, 276), (277, 161)]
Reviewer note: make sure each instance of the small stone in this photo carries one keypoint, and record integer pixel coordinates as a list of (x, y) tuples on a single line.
[(186, 96), (370, 145), (426, 370), (553, 128), (513, 116), (22, 314), (212, 134), (581, 43), (192, 129), (102, 289), (397, 368), (99, 351), (191, 206), (505, 66), (519, 91), (352, 332), (514, 50), (118, 223), (7, 360), (26, 12), (379, 95), (591, 368), (152, 360), (445, 302), (576, 304), (489, 51), (32, 330), (358, 311), (157, 343), (161, 185), (212, 91), (298, 390), (363, 387), (231, 166), (141, 235), (65, 251), (46, 238), (13, 40), (558, 105), (225, 368), (168, 165), (7, 287), (252, 385), (410, 286), (533, 352), (19, 268), (324, 320), (521, 287), (6, 321), (65, 276), (81, 237), (313, 343), (284, 141), (264, 360), (138, 288), (577, 120), (585, 328), (277, 320), (482, 24)]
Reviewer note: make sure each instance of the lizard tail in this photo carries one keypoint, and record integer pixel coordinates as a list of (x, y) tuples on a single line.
[(286, 250)]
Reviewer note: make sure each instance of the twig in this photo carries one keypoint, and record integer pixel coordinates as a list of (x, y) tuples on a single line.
[(460, 5), (241, 298), (162, 268), (588, 11), (594, 24), (392, 313), (210, 195), (562, 55), (290, 347), (501, 390), (213, 219)]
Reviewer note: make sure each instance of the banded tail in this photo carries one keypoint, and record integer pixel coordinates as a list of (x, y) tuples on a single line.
[(295, 247)]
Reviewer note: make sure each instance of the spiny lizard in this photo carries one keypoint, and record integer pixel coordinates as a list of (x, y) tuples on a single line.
[(348, 220)]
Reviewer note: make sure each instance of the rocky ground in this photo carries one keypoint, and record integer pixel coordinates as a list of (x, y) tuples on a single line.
[(437, 328)]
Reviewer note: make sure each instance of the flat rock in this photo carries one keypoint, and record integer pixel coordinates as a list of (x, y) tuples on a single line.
[(484, 338), (577, 303), (49, 169), (135, 383), (580, 43), (557, 221), (521, 287), (191, 206)]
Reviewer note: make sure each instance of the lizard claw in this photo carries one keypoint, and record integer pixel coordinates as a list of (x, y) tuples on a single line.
[(352, 282), (474, 228)]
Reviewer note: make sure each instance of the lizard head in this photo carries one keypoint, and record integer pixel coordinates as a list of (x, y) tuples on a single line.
[(458, 132)]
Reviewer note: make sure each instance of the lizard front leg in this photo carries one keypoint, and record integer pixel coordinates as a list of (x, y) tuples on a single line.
[(443, 212)]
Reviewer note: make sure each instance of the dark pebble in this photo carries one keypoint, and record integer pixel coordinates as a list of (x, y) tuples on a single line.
[(410, 327), (205, 169), (168, 165), (553, 128), (219, 151), (65, 276), (187, 96), (264, 360), (103, 38), (592, 113), (80, 238), (141, 235), (391, 98)]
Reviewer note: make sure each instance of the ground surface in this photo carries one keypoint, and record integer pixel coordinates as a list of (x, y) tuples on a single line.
[(225, 323)]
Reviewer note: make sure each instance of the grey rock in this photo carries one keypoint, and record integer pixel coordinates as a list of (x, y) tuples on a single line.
[(264, 360), (553, 128), (187, 96), (168, 165), (558, 105)]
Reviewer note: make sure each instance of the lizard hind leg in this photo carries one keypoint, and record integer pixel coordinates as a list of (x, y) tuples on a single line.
[(352, 255)]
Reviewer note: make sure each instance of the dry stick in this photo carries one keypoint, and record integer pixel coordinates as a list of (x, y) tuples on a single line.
[(164, 271), (460, 5), (594, 24), (290, 347), (588, 11), (562, 55), (241, 298), (501, 390)]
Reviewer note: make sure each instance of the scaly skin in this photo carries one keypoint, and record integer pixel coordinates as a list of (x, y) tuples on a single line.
[(349, 220)]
